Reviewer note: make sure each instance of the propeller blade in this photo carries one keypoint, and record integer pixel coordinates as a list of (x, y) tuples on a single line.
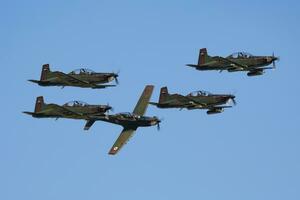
[(158, 126), (117, 81), (274, 65), (234, 101)]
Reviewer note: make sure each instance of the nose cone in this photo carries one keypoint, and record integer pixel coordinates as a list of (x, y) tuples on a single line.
[(105, 108), (231, 96), (275, 58), (115, 76), (270, 59), (155, 121), (227, 98), (108, 108)]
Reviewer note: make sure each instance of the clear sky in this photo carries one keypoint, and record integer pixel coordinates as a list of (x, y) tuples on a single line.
[(248, 152)]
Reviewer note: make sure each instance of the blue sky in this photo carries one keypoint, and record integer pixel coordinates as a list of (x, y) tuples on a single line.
[(248, 152)]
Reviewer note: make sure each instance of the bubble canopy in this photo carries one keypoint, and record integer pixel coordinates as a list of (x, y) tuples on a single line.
[(131, 115), (82, 71), (76, 103), (240, 55), (199, 93)]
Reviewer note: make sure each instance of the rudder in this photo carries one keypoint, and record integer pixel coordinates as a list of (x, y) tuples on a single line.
[(202, 56), (163, 94), (45, 71), (39, 104)]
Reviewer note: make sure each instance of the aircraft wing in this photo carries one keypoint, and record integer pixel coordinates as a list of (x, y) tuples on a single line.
[(143, 102), (71, 80), (123, 138), (232, 62), (62, 110)]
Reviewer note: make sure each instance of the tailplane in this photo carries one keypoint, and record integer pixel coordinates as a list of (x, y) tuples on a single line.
[(39, 104), (44, 75), (88, 124)]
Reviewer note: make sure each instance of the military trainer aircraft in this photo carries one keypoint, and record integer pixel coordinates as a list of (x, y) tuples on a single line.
[(241, 61), (129, 121), (72, 110), (215, 103), (84, 78)]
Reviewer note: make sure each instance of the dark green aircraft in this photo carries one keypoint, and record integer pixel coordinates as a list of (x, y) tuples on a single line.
[(129, 121), (241, 61), (84, 78), (71, 110), (195, 100)]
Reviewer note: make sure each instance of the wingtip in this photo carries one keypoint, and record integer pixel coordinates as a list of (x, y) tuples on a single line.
[(114, 150)]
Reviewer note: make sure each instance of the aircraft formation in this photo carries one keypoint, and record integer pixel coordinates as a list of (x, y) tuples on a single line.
[(131, 121)]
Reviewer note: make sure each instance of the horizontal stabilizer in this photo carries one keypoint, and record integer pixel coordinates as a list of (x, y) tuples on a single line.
[(28, 113), (35, 81), (192, 65), (153, 103), (88, 124)]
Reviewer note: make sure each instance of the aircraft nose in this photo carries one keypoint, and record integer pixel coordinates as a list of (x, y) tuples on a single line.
[(115, 76), (269, 59), (272, 59), (231, 96)]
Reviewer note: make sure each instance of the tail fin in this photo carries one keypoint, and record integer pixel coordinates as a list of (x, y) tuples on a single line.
[(39, 104), (45, 71), (203, 57), (163, 94)]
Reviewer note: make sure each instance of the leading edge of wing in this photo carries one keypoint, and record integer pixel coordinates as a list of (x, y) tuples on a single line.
[(143, 102), (123, 138), (63, 110), (75, 79)]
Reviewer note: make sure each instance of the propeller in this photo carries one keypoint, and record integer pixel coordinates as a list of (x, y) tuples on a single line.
[(232, 98), (116, 77), (233, 101), (158, 126), (111, 108), (158, 123), (273, 62)]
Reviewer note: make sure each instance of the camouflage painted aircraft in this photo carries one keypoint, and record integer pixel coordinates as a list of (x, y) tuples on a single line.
[(195, 100), (71, 110), (84, 78), (254, 65), (129, 121)]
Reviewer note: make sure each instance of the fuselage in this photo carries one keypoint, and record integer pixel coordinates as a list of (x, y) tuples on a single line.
[(204, 102), (56, 79), (130, 120), (76, 112), (252, 63)]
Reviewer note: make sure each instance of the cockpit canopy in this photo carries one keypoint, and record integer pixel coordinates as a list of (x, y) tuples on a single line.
[(82, 71), (126, 114), (76, 103), (240, 55), (199, 93), (131, 115)]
